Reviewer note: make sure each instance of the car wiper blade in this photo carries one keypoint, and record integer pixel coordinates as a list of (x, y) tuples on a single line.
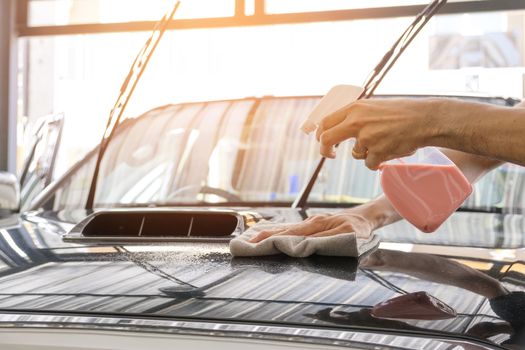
[(126, 91), (374, 79)]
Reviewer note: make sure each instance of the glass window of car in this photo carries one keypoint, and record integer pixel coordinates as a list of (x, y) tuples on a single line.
[(248, 150)]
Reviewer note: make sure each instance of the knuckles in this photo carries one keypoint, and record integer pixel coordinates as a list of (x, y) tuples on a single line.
[(347, 227), (319, 218), (358, 109), (366, 140), (325, 139), (264, 234)]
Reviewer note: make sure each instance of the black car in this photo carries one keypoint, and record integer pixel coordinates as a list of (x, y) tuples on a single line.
[(129, 274)]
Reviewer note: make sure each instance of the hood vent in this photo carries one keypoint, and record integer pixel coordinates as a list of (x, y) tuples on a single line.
[(129, 226)]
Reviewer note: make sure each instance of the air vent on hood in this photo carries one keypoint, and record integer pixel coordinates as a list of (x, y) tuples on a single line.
[(157, 225)]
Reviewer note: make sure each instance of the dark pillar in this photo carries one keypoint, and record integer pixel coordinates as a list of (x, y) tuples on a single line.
[(7, 86)]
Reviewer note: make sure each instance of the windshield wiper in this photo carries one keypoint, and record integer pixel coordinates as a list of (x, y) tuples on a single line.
[(373, 81), (135, 73)]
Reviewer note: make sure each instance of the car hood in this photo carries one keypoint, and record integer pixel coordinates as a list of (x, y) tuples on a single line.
[(474, 259)]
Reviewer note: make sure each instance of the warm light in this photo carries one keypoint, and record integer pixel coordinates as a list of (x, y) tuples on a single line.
[(81, 75)]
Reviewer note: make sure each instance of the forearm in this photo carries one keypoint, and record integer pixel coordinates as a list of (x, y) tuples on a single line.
[(485, 130), (379, 212), (472, 166)]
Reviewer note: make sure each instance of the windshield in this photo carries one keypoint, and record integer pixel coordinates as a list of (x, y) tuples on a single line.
[(241, 151)]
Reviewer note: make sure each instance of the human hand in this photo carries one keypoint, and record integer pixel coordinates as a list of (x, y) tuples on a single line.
[(384, 129), (324, 225)]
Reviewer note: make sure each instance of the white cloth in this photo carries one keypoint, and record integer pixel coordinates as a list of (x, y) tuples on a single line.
[(346, 244)]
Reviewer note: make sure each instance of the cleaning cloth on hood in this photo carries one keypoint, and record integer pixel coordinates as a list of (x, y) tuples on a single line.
[(345, 244)]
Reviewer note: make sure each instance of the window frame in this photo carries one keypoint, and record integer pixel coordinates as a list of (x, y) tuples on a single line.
[(260, 17)]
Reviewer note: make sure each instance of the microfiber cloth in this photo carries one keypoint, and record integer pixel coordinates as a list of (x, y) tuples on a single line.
[(345, 244)]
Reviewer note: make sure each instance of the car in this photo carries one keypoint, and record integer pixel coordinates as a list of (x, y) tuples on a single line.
[(149, 264)]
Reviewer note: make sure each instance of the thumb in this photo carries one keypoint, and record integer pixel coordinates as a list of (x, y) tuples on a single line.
[(373, 160)]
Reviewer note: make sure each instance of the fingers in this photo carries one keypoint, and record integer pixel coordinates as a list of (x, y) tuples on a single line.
[(301, 230), (327, 150), (330, 121), (321, 226), (333, 129), (331, 232), (311, 225), (316, 217), (304, 228), (334, 136), (359, 151), (265, 234), (373, 160)]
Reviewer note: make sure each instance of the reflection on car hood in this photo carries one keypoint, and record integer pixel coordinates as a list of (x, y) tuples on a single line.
[(41, 273)]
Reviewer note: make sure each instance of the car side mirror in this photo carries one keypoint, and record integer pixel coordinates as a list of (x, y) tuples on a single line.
[(9, 194)]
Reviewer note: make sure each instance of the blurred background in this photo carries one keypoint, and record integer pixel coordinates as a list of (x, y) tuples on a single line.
[(72, 55)]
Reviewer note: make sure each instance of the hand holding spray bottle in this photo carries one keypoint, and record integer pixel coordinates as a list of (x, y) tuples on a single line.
[(424, 188)]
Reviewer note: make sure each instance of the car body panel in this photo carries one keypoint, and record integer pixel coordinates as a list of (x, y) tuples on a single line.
[(42, 274), (71, 332)]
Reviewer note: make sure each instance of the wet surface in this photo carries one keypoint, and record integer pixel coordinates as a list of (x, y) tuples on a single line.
[(39, 271)]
